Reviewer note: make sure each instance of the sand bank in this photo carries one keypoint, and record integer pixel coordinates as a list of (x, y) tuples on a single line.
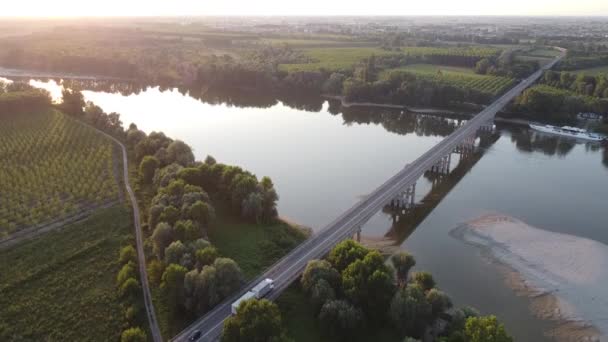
[(566, 276)]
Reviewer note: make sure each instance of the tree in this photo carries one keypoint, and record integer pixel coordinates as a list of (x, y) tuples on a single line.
[(317, 270), (321, 292), (202, 213), (180, 153), (174, 252), (439, 301), (340, 320), (130, 289), (72, 102), (485, 329), (210, 160), (229, 276), (424, 280), (161, 238), (147, 168), (252, 207), (127, 254), (206, 256), (133, 335), (403, 262), (127, 271), (155, 271), (370, 284), (482, 66), (345, 253), (410, 311), (173, 284), (255, 321), (269, 200)]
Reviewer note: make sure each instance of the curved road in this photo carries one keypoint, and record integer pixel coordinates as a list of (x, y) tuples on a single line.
[(141, 257)]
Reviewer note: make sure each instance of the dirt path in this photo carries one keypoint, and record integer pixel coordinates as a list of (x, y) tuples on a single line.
[(141, 257)]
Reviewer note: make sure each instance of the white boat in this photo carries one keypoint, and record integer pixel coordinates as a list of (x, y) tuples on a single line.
[(568, 131)]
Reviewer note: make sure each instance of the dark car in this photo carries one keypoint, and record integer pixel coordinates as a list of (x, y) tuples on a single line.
[(197, 334)]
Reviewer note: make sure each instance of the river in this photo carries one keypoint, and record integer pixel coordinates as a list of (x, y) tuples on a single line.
[(323, 159)]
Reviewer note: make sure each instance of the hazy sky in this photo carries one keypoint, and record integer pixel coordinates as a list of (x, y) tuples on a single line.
[(301, 7)]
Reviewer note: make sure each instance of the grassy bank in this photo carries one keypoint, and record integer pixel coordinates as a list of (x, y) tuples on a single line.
[(253, 247), (61, 286)]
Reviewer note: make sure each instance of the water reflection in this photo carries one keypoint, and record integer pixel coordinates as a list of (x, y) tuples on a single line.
[(404, 222)]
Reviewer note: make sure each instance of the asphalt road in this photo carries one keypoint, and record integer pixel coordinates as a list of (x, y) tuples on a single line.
[(286, 270)]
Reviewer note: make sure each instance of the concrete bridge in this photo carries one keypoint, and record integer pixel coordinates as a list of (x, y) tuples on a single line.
[(398, 190)]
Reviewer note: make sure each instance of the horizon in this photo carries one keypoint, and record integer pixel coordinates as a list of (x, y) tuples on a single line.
[(311, 8)]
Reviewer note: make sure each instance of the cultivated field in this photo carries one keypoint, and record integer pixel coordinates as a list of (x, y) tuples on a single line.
[(344, 58), (62, 286), (459, 77), (594, 71), (52, 167)]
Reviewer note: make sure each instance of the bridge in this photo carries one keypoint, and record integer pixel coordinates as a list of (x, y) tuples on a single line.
[(397, 190)]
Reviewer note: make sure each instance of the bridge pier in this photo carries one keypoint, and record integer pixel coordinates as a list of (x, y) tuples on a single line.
[(405, 199), (487, 127), (443, 165), (358, 235), (466, 146)]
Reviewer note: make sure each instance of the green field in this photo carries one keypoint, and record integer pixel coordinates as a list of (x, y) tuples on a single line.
[(61, 286), (344, 58), (253, 247), (52, 167), (435, 69), (594, 71), (541, 52), (334, 59), (459, 77)]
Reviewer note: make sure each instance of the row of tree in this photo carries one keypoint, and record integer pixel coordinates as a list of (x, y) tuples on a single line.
[(129, 292), (410, 89), (21, 98), (543, 101), (581, 84)]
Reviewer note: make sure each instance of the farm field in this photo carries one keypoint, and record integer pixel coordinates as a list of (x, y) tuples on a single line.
[(434, 69), (52, 167), (594, 71), (62, 286), (540, 52), (493, 85), (344, 58)]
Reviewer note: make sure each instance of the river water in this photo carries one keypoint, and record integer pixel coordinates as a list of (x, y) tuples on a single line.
[(323, 159)]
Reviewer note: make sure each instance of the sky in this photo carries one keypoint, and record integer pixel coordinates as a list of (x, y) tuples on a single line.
[(75, 8)]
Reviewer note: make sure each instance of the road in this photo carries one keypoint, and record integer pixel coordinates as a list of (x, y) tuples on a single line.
[(286, 270), (141, 257)]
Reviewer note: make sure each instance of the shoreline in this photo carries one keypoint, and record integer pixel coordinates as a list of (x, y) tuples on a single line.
[(421, 110), (562, 275)]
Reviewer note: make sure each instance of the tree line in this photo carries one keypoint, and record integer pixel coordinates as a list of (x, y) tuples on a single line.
[(21, 98)]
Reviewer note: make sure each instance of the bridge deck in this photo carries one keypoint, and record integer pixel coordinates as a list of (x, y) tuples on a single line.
[(286, 270)]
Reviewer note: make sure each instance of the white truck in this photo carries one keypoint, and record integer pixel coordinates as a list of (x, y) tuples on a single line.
[(258, 291), (243, 298), (263, 287)]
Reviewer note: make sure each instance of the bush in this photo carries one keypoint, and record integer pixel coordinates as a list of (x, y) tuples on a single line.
[(133, 335), (128, 254)]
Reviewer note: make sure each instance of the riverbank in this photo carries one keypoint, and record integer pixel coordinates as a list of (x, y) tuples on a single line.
[(25, 73), (564, 275)]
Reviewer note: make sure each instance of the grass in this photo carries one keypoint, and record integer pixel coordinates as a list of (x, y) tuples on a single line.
[(253, 247), (52, 167), (61, 286), (594, 71), (540, 52)]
